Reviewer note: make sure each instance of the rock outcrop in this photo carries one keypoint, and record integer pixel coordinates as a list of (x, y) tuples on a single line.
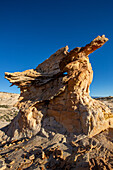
[(59, 126), (58, 89)]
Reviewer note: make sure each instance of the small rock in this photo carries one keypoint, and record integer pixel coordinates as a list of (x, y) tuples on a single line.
[(2, 165), (44, 133), (43, 155), (32, 157), (12, 162)]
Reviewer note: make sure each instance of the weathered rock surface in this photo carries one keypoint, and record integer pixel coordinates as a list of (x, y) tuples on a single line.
[(59, 87), (59, 126), (59, 152)]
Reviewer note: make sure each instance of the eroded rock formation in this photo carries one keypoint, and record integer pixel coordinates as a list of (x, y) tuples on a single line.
[(59, 88)]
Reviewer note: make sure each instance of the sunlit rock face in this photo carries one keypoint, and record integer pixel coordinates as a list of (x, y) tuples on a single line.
[(59, 88)]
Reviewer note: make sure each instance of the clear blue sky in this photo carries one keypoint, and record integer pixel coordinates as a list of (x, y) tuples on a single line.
[(31, 30)]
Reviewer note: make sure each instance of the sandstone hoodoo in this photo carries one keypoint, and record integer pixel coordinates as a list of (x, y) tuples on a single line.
[(59, 89)]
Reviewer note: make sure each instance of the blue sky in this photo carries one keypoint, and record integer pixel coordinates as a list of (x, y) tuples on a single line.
[(31, 30)]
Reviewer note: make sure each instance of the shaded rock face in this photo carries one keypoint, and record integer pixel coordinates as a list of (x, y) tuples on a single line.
[(59, 88)]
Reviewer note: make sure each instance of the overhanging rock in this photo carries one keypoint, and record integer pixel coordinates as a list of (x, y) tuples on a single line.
[(59, 88)]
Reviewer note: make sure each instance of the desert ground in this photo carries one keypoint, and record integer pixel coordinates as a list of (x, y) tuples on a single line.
[(7, 109)]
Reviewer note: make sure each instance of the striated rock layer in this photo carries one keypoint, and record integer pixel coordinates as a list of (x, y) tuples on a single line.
[(59, 88)]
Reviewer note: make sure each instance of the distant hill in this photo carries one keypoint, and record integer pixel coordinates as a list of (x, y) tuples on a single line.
[(7, 110)]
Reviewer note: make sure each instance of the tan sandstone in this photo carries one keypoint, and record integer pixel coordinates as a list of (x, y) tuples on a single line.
[(59, 88)]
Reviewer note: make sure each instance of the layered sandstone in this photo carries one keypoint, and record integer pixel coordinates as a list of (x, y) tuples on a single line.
[(59, 88)]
